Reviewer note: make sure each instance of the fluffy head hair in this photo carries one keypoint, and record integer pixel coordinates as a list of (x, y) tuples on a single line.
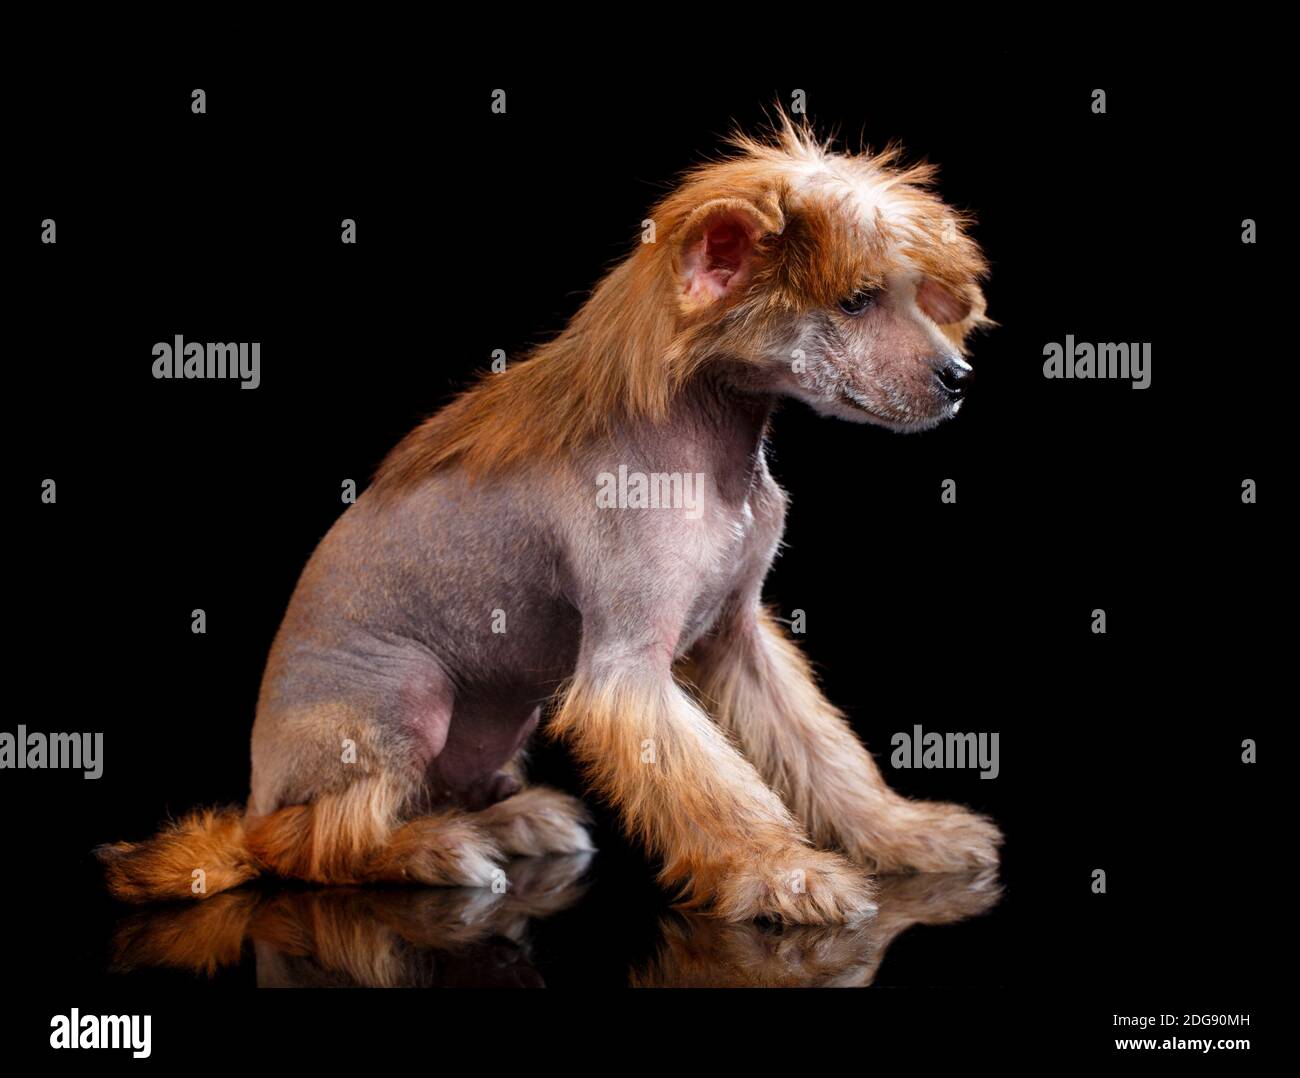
[(817, 225)]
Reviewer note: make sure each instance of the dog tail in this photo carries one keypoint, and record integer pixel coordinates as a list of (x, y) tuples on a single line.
[(199, 855)]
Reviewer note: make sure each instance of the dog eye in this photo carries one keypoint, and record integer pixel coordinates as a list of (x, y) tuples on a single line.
[(859, 301)]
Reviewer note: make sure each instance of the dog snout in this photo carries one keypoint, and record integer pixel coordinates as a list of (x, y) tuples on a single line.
[(953, 375)]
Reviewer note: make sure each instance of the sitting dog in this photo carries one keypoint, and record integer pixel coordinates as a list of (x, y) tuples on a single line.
[(482, 582)]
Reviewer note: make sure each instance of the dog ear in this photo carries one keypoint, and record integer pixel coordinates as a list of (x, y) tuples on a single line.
[(715, 259), (971, 302), (944, 305)]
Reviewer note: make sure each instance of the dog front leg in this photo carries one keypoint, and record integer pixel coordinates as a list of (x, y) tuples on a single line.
[(725, 838), (759, 688)]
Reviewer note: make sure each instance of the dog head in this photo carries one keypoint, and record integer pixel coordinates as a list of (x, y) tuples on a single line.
[(841, 280)]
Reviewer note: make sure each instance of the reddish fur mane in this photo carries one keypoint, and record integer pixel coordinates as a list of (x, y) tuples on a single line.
[(634, 342)]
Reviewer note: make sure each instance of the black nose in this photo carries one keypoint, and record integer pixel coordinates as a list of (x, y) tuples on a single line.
[(953, 377)]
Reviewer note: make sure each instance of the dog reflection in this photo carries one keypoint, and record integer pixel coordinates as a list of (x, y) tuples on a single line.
[(368, 937), (703, 952), (362, 937)]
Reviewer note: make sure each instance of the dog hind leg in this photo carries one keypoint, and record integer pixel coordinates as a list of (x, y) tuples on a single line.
[(359, 836)]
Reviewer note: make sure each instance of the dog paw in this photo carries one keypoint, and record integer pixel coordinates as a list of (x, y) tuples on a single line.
[(798, 885), (473, 864), (440, 852), (931, 836), (538, 821)]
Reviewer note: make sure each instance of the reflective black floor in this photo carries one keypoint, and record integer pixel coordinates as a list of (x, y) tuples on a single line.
[(350, 937)]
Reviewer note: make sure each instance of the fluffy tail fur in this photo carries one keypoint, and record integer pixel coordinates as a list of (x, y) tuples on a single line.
[(202, 854)]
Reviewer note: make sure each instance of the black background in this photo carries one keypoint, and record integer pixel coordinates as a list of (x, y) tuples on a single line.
[(478, 231)]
